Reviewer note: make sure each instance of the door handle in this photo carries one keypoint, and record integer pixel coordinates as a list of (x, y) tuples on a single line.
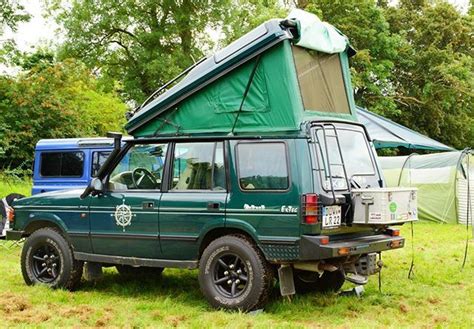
[(148, 205), (213, 206)]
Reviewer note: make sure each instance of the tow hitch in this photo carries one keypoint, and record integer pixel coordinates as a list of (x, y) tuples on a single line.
[(359, 271)]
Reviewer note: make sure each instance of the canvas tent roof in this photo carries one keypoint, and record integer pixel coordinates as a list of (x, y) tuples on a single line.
[(233, 65), (387, 134)]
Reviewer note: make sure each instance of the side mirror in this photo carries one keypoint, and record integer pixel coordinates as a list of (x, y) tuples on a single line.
[(96, 185)]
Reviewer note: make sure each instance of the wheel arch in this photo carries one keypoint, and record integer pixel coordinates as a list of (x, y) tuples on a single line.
[(43, 222), (215, 233)]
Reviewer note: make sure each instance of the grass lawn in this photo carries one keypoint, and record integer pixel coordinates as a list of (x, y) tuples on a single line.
[(8, 186), (439, 295)]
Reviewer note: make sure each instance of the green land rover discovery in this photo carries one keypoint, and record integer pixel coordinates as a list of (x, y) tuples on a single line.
[(252, 168)]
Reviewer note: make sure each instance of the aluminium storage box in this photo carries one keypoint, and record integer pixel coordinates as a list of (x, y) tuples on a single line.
[(385, 206)]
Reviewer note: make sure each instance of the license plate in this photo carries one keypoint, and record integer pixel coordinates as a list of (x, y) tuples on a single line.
[(331, 216)]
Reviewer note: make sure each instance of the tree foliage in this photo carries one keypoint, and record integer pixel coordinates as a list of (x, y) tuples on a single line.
[(434, 70), (12, 13), (414, 63), (58, 100), (143, 43)]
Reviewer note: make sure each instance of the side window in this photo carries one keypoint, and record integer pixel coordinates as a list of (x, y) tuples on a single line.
[(98, 159), (62, 164), (140, 169), (262, 166), (198, 166)]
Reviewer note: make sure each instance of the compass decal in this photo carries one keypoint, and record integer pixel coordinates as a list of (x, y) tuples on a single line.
[(123, 215)]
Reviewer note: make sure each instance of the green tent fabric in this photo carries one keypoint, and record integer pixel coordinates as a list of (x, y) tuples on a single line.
[(273, 100), (388, 134), (266, 81), (441, 179)]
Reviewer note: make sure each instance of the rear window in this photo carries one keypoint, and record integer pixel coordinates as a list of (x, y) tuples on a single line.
[(262, 166), (62, 164)]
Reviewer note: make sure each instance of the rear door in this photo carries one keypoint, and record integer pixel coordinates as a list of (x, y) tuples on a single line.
[(195, 200), (264, 196)]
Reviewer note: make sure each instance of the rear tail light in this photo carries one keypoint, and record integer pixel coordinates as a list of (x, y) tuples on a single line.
[(10, 214), (310, 209)]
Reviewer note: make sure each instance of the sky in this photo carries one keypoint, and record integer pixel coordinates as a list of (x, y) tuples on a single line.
[(43, 31)]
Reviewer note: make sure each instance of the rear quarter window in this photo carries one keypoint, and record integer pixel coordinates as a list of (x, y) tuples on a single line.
[(62, 164), (263, 166)]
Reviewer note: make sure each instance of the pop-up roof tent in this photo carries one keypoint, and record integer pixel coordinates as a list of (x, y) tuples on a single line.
[(277, 76), (442, 182), (388, 134)]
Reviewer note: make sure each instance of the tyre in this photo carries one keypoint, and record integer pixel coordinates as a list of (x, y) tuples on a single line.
[(47, 259), (233, 274), (130, 271), (306, 281)]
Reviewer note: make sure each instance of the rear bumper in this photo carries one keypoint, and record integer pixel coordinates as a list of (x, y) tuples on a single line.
[(311, 247), (14, 235)]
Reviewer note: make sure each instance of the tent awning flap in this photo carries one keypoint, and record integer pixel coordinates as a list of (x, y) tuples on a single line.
[(386, 134)]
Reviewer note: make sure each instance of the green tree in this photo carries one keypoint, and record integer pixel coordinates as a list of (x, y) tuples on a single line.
[(434, 72), (58, 100), (12, 13), (244, 15), (141, 44)]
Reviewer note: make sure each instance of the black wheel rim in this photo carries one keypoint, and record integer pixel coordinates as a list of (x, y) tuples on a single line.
[(230, 275), (46, 263)]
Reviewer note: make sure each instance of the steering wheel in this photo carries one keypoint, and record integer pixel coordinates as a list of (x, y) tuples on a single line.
[(139, 174)]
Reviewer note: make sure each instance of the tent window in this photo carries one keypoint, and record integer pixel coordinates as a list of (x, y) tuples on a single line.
[(321, 81)]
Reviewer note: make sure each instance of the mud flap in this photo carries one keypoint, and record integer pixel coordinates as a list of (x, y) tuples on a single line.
[(93, 271), (287, 284)]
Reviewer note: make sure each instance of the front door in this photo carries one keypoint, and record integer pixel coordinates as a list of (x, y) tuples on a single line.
[(195, 200), (124, 220)]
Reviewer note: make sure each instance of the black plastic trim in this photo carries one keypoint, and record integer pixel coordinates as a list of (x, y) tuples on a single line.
[(125, 236), (133, 261), (178, 237), (14, 235)]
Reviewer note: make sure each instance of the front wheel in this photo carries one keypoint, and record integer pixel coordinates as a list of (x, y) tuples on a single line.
[(233, 274), (47, 259)]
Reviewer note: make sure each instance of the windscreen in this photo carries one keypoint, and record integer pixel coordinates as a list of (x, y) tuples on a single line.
[(321, 81)]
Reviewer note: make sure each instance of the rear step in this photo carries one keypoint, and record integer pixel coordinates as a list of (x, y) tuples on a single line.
[(357, 278)]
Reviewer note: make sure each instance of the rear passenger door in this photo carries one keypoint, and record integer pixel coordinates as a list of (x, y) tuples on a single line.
[(264, 197), (195, 199)]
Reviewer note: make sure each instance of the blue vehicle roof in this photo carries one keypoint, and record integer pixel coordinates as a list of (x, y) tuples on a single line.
[(74, 143)]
